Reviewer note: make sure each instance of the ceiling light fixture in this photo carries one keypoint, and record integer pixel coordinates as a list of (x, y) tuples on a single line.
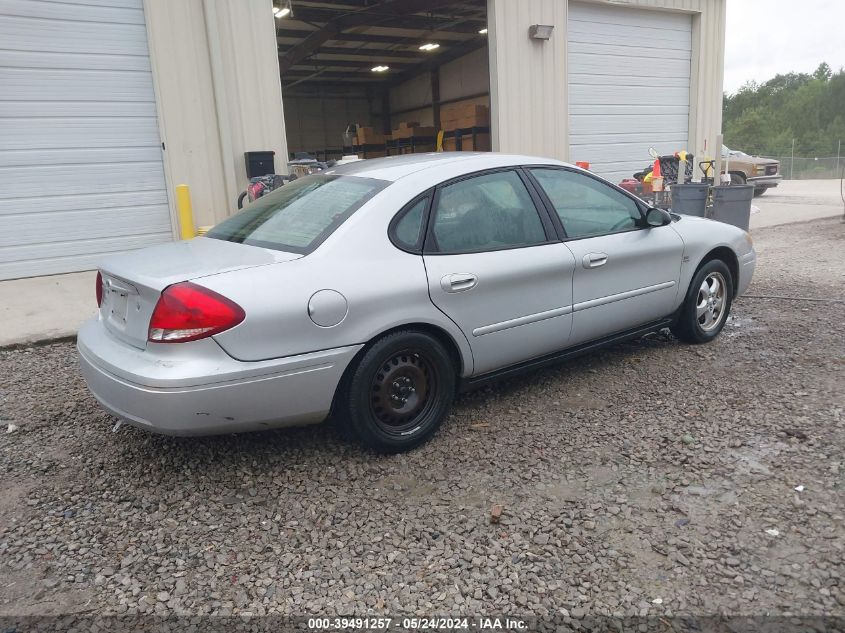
[(483, 31), (430, 46), (380, 69)]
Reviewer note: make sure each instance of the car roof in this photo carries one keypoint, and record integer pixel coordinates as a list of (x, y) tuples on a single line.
[(394, 168)]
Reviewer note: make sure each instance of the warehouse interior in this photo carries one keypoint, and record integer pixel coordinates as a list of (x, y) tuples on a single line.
[(396, 71)]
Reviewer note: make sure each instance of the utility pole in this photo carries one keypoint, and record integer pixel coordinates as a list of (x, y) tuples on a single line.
[(838, 151), (792, 162)]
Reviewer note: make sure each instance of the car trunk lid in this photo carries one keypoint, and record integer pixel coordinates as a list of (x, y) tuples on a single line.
[(133, 282)]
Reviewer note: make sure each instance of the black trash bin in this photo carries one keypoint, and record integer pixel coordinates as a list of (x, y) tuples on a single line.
[(732, 204), (690, 199), (259, 163)]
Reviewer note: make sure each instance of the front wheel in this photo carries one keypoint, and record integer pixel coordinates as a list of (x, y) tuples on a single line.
[(707, 304), (400, 392), (759, 191)]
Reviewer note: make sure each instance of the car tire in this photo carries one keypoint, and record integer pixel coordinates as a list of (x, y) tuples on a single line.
[(759, 191), (399, 393), (707, 304), (737, 178)]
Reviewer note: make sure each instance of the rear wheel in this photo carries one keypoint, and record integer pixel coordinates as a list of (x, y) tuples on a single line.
[(399, 393), (707, 304)]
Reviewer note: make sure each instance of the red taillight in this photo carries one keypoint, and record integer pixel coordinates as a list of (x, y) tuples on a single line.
[(99, 289), (187, 312)]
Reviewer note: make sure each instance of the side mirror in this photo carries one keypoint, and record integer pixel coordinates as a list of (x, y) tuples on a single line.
[(657, 217)]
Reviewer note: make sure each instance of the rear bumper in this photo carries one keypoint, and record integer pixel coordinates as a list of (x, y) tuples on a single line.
[(197, 389), (765, 181)]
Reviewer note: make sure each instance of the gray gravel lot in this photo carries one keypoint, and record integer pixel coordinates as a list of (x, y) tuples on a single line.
[(646, 479)]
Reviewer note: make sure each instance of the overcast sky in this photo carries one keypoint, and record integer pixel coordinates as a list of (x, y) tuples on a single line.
[(767, 37)]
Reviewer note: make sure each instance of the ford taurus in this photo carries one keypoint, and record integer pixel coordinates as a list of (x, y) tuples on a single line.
[(377, 290)]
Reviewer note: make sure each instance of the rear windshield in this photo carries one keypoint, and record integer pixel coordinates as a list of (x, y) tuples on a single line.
[(298, 216)]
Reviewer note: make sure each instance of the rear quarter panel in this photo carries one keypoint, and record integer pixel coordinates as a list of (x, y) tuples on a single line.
[(384, 288)]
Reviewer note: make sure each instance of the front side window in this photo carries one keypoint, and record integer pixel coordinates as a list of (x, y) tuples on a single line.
[(587, 206), (300, 215), (488, 212)]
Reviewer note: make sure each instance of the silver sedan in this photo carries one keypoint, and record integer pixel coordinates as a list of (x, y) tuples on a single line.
[(376, 291)]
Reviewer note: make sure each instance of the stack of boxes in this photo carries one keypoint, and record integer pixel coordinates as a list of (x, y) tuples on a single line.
[(470, 122), (410, 136), (370, 144), (466, 127)]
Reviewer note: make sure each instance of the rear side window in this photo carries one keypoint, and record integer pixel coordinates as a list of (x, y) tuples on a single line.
[(487, 212), (407, 232), (300, 215)]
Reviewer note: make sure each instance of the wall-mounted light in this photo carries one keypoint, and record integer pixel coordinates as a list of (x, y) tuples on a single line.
[(483, 31), (380, 69), (540, 31), (283, 11), (430, 46)]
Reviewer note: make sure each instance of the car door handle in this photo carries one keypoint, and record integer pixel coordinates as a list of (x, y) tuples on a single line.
[(458, 282), (594, 260)]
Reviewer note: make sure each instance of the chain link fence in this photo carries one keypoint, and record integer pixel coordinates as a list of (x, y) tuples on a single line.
[(810, 168)]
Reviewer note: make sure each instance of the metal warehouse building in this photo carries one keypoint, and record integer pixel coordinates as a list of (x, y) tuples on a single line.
[(106, 105)]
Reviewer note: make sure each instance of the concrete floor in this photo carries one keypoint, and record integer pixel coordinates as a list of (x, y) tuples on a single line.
[(797, 200), (44, 308)]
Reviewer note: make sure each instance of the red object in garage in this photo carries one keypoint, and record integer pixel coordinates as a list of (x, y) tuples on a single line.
[(630, 184)]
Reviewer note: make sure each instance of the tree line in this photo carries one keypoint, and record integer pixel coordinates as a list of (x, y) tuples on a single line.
[(764, 118)]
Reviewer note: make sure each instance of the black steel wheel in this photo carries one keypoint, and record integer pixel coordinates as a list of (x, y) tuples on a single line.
[(400, 392)]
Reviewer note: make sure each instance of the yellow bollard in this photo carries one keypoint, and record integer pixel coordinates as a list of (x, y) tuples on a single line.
[(185, 212)]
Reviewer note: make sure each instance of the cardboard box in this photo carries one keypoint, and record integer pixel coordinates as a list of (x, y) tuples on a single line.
[(369, 136), (423, 131), (481, 144), (462, 109), (458, 116), (416, 131), (376, 139)]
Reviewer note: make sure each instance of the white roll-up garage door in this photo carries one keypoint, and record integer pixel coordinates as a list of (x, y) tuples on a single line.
[(80, 154), (629, 86)]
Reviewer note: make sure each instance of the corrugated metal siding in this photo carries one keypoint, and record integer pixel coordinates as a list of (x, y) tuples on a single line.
[(530, 104), (629, 86), (527, 78), (81, 170), (315, 123), (460, 78), (414, 93), (207, 135), (467, 75)]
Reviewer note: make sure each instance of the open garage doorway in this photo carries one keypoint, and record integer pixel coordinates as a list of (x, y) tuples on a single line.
[(383, 77)]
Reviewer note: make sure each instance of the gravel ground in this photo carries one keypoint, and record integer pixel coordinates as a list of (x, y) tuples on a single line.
[(652, 478)]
